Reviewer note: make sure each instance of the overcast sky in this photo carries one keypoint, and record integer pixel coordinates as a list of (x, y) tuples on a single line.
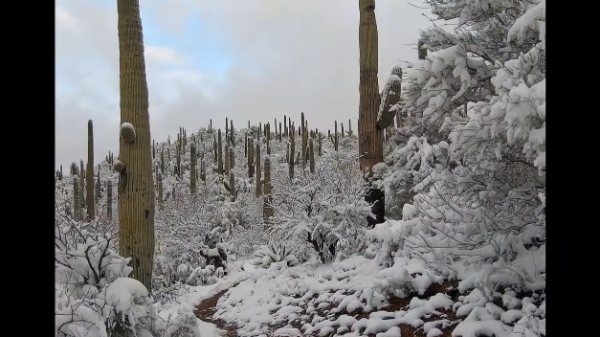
[(210, 59)]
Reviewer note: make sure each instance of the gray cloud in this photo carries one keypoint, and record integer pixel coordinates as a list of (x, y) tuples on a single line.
[(290, 56)]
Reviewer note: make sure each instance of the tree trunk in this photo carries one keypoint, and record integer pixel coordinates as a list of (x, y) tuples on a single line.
[(370, 141), (136, 187)]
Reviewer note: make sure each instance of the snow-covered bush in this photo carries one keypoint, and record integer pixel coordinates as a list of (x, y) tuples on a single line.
[(189, 248), (325, 209), (480, 192), (268, 254), (94, 297)]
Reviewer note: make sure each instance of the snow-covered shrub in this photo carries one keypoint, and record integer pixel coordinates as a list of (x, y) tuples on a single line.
[(325, 209), (480, 193), (189, 248), (267, 254), (94, 297)]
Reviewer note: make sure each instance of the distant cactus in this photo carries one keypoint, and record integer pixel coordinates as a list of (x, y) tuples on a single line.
[(231, 158), (349, 128), (231, 133), (268, 137), (285, 126), (257, 170), (91, 206), (162, 159), (279, 133), (76, 199), (230, 186), (219, 153), (226, 129), (267, 200), (178, 172), (210, 130), (202, 171), (304, 141), (109, 195), (226, 163), (82, 175), (159, 181), (342, 133), (250, 157), (292, 151), (311, 155), (193, 160), (97, 196)]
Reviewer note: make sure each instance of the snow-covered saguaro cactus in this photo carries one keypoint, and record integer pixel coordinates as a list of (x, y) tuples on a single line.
[(311, 155), (128, 133), (231, 134), (109, 199), (203, 170), (76, 198), (301, 134), (215, 151), (219, 153), (193, 160), (231, 158), (267, 199), (292, 151), (268, 137), (335, 137), (226, 163), (89, 177), (390, 96), (349, 128), (257, 170), (250, 157)]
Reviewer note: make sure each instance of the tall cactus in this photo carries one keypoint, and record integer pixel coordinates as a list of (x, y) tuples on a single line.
[(82, 190), (90, 174), (231, 133), (292, 151), (202, 170), (159, 182), (136, 186), (257, 171), (226, 158), (178, 159), (320, 140), (268, 137), (267, 199), (304, 141), (219, 153), (193, 161), (97, 189), (311, 155), (349, 128), (109, 199), (250, 157), (231, 158), (76, 198)]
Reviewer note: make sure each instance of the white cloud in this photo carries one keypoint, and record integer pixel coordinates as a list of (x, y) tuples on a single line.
[(284, 57), (163, 55)]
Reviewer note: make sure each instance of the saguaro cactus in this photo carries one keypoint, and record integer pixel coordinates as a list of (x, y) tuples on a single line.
[(159, 182), (267, 200), (304, 141), (226, 159), (292, 151), (422, 52), (76, 198), (202, 171), (250, 157), (109, 199), (390, 96), (349, 128), (257, 170), (268, 137), (136, 187), (219, 153), (231, 158), (231, 133), (82, 191), (370, 142), (370, 135), (90, 174), (193, 160), (311, 155)]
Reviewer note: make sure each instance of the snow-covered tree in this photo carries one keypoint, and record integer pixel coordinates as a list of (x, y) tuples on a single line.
[(482, 88), (325, 210)]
